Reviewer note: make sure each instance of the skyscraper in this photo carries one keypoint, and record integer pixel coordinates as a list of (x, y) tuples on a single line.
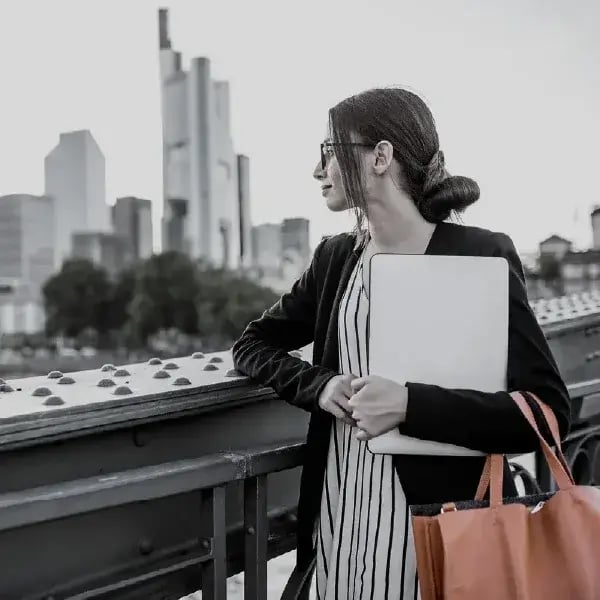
[(26, 240), (132, 221), (108, 250), (26, 260), (243, 167), (295, 238), (200, 167), (75, 178), (266, 247)]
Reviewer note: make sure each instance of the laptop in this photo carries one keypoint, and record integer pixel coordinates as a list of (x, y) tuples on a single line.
[(440, 320)]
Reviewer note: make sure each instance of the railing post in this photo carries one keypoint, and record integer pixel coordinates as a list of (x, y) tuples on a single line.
[(256, 527), (213, 534)]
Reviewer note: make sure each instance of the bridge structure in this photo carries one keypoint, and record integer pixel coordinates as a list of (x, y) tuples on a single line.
[(157, 479)]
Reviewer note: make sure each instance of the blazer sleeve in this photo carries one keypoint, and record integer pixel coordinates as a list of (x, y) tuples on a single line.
[(491, 422), (262, 350)]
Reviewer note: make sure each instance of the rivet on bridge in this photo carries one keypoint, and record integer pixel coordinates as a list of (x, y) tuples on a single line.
[(53, 401), (42, 391), (106, 383), (122, 390)]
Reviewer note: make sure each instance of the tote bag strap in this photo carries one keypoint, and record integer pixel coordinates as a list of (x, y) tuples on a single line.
[(550, 419), (558, 465)]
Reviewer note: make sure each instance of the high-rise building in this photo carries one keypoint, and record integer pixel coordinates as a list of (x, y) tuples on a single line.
[(200, 168), (21, 310), (243, 168), (26, 240), (266, 247), (295, 234), (26, 260), (108, 250), (132, 221), (75, 178)]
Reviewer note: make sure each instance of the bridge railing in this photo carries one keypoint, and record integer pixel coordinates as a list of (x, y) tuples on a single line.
[(158, 479), (217, 549), (209, 554)]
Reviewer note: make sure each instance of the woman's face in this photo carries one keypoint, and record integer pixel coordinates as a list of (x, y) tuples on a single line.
[(330, 179)]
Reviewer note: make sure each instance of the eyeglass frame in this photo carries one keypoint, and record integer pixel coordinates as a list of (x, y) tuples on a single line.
[(324, 159)]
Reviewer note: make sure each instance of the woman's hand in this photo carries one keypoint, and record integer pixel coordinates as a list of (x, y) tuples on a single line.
[(335, 396), (378, 405)]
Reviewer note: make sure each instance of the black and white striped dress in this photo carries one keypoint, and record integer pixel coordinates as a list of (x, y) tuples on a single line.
[(365, 547)]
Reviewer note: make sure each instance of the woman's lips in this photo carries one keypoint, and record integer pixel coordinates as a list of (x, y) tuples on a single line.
[(325, 189)]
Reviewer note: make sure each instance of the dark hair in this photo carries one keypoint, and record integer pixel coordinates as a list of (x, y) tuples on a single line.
[(403, 119)]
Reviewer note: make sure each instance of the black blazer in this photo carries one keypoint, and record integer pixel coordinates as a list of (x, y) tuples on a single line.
[(488, 422)]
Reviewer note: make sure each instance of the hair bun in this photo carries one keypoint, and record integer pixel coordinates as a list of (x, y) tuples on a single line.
[(453, 193)]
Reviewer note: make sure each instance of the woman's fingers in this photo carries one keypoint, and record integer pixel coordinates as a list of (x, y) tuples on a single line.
[(343, 402), (362, 435), (347, 386), (358, 384), (336, 411)]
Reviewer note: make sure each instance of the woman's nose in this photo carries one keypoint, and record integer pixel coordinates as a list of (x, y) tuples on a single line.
[(319, 173)]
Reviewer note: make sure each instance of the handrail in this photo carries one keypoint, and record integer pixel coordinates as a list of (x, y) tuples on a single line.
[(66, 499), (143, 412)]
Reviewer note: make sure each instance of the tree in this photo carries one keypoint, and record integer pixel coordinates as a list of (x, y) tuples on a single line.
[(165, 295), (75, 298), (118, 307), (227, 303)]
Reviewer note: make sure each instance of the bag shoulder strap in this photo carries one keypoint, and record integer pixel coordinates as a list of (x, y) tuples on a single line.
[(556, 462)]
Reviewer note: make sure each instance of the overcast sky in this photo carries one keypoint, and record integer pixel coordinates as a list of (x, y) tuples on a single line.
[(514, 87)]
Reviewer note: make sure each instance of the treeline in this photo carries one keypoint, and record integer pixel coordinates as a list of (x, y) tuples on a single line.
[(167, 291)]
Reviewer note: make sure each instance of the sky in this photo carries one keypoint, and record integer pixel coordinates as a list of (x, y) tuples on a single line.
[(514, 87)]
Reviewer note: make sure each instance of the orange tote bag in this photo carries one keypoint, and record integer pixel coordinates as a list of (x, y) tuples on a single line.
[(544, 547)]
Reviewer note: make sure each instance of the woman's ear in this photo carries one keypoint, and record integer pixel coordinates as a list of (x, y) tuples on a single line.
[(384, 155)]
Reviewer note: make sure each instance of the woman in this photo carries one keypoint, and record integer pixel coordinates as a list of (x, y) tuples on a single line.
[(383, 160)]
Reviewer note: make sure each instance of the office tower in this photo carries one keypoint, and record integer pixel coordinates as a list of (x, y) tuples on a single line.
[(243, 167), (75, 179), (107, 250), (200, 171), (295, 239), (26, 240), (132, 221), (266, 247), (26, 260)]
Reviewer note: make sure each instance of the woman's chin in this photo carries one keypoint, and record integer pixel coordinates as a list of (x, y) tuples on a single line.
[(336, 205)]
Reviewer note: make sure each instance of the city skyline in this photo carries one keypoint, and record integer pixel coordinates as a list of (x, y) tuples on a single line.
[(519, 114)]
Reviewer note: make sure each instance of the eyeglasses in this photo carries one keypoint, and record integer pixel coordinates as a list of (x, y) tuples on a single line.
[(327, 150)]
